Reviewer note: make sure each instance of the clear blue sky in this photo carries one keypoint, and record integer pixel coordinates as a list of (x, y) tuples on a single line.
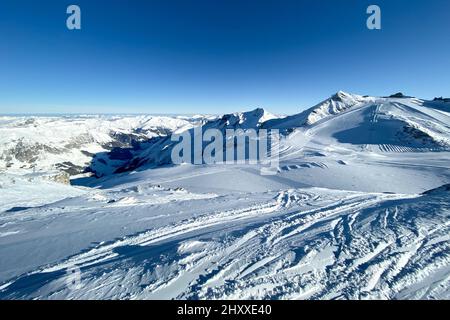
[(216, 56)]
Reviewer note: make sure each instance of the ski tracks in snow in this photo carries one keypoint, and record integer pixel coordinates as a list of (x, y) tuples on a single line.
[(310, 243)]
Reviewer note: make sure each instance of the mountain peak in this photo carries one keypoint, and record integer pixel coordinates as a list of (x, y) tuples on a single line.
[(400, 95), (259, 113), (341, 93), (338, 103), (343, 96), (248, 119)]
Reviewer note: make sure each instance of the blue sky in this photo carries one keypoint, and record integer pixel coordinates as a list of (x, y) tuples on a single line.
[(216, 56)]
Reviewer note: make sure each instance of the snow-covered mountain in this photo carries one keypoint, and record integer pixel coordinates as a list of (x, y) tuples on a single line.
[(343, 121), (105, 145), (376, 123), (359, 207), (387, 124), (338, 103), (69, 143), (158, 151)]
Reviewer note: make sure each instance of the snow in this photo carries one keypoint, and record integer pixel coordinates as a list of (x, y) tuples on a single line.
[(359, 209), (72, 138), (19, 191)]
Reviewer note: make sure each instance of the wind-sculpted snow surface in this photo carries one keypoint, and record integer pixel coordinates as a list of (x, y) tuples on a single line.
[(301, 244)]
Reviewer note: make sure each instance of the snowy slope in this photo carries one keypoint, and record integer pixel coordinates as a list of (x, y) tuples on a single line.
[(388, 125), (19, 192), (347, 142), (297, 243), (158, 152), (359, 209), (344, 121), (336, 104)]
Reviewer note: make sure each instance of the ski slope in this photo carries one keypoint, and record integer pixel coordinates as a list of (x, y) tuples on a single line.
[(359, 209), (295, 244)]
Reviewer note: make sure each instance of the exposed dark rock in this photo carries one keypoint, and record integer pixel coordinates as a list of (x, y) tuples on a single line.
[(27, 153), (70, 168), (397, 95), (441, 99), (87, 154)]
